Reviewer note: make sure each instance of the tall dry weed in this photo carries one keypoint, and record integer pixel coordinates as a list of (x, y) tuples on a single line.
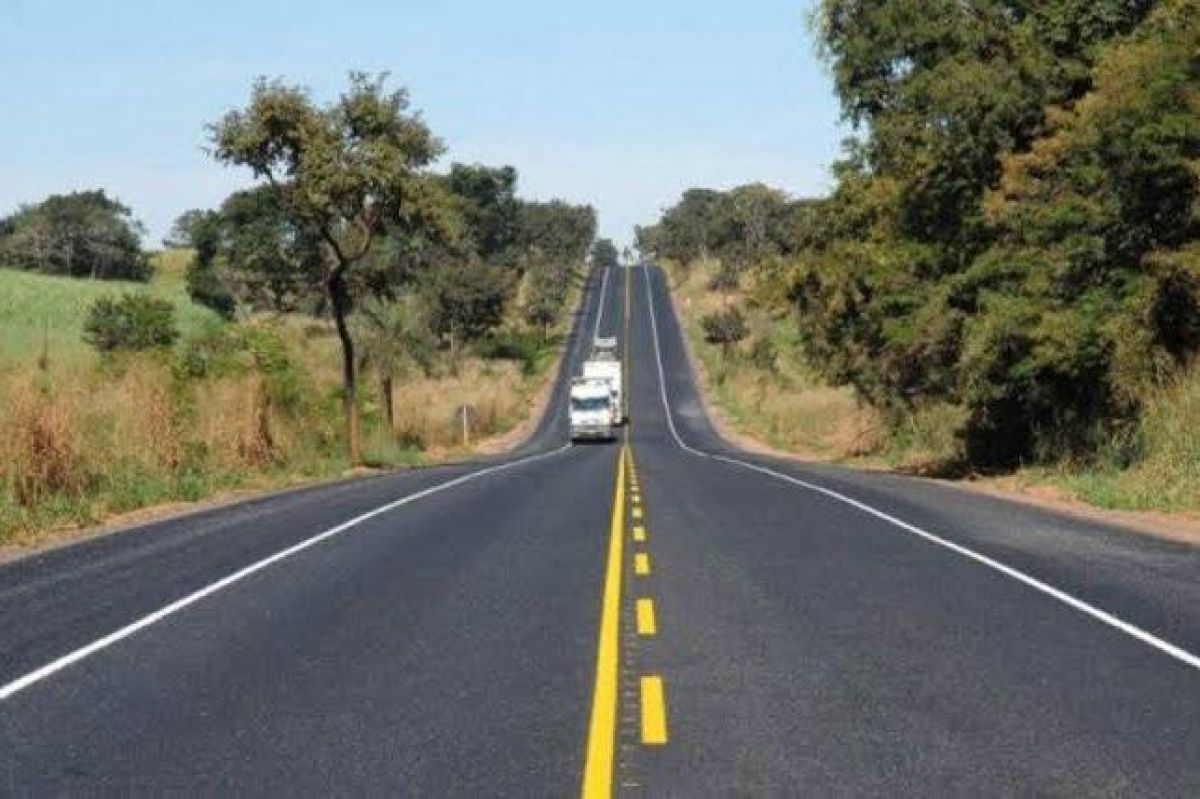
[(41, 444), (427, 408), (134, 421)]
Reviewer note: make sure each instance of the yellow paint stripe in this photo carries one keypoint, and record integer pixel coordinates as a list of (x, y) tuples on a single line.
[(639, 534), (637, 513), (647, 624), (654, 711), (641, 564), (598, 770)]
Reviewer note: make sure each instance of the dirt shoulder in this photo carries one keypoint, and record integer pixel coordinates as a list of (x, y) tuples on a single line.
[(1177, 527)]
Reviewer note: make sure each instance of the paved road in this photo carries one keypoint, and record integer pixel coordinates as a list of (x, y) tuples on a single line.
[(663, 617)]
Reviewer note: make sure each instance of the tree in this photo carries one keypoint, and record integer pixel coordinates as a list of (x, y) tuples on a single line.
[(687, 229), (725, 327), (183, 229), (82, 234), (200, 231), (557, 234), (910, 284), (546, 296), (464, 301), (486, 198), (551, 246), (271, 261), (395, 339), (341, 173), (605, 255)]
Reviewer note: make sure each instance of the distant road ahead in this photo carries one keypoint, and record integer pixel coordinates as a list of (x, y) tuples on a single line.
[(667, 616)]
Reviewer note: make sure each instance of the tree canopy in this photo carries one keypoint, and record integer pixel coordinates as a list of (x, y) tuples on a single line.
[(605, 255), (82, 234), (341, 173), (1014, 229)]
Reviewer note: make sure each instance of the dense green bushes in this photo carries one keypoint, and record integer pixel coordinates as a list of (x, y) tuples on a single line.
[(130, 322), (1014, 235)]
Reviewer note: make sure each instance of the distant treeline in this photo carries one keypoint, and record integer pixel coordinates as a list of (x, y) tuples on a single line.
[(83, 234), (252, 254), (1014, 231)]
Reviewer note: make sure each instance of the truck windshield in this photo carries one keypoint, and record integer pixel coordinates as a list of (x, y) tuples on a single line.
[(589, 403)]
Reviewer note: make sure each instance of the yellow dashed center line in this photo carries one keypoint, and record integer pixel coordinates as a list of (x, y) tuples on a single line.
[(639, 534), (641, 564), (654, 711), (598, 770), (637, 512), (646, 623)]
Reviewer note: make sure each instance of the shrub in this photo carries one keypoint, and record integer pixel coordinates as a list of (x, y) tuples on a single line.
[(764, 354), (205, 287), (726, 278), (726, 327), (130, 322), (523, 346)]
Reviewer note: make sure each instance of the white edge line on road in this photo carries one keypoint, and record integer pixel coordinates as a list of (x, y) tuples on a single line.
[(77, 655), (600, 305), (71, 658), (1096, 613)]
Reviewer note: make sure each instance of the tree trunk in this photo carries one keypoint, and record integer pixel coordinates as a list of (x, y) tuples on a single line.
[(339, 298), (389, 404)]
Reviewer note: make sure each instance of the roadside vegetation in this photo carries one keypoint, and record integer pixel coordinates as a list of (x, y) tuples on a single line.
[(278, 338), (1005, 278)]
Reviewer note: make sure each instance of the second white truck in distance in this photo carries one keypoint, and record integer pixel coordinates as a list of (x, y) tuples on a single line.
[(606, 365)]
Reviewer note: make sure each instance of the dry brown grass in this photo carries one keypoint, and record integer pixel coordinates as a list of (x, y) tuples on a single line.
[(40, 444), (66, 429), (784, 407), (427, 407), (86, 438)]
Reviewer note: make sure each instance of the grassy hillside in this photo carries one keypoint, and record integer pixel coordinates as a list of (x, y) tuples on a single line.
[(39, 311), (249, 404)]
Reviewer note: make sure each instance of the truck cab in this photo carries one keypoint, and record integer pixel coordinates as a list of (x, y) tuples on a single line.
[(591, 410)]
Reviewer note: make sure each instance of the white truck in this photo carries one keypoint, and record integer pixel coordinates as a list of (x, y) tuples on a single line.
[(606, 365), (591, 410)]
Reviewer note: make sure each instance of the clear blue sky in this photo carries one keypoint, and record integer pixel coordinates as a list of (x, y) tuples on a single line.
[(621, 104)]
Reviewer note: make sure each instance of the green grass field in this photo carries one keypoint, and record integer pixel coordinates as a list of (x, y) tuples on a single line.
[(39, 311)]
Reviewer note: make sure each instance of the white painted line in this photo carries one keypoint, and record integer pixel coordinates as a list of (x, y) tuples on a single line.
[(1096, 613), (63, 662), (77, 655), (600, 309)]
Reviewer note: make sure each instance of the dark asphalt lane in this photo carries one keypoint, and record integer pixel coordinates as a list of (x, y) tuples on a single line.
[(449, 646), (93, 587), (811, 648), (242, 689)]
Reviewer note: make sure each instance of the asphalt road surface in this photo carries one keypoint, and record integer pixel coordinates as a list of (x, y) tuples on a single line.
[(664, 616)]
